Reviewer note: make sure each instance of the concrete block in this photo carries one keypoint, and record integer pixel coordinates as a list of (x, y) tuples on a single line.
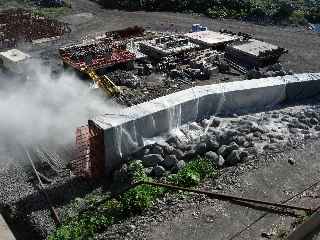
[(302, 86)]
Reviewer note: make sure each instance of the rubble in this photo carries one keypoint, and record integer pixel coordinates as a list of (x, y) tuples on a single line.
[(19, 25), (235, 142)]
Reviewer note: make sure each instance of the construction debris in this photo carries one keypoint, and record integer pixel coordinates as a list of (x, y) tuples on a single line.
[(167, 45), (211, 39), (19, 25), (14, 60), (254, 53), (129, 57), (96, 55)]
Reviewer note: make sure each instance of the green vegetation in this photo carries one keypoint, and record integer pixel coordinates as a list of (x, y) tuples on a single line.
[(94, 218), (271, 11), (192, 174)]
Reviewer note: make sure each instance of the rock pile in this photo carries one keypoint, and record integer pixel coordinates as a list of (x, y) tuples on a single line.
[(228, 141)]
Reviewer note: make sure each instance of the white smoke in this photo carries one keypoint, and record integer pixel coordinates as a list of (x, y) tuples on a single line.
[(45, 109)]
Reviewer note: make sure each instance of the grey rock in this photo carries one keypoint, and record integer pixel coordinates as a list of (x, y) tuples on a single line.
[(212, 145), (205, 123), (257, 134), (179, 166), (233, 146), (178, 153), (317, 128), (156, 149), (184, 147), (233, 158), (240, 140), (173, 140), (243, 155), (260, 129), (285, 119), (223, 150), (291, 161), (293, 130), (215, 122), (158, 171), (314, 121), (296, 124), (212, 156), (189, 155), (246, 144), (169, 161), (227, 136), (167, 150), (152, 160), (252, 150), (195, 126), (141, 152), (221, 161), (201, 148)]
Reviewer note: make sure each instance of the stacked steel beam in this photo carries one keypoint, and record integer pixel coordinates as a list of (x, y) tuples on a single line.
[(21, 25)]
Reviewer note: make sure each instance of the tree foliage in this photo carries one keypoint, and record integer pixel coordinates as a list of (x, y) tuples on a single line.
[(276, 11)]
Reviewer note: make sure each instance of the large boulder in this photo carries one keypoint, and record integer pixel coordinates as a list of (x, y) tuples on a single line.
[(158, 171), (141, 152), (212, 144), (212, 156), (152, 160), (178, 153), (169, 161), (179, 166), (201, 148), (233, 158), (189, 155), (156, 149)]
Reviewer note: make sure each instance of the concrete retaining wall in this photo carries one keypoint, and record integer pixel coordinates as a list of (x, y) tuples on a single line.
[(125, 131)]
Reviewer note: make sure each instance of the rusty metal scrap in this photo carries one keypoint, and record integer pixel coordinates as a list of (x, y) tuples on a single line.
[(22, 25), (96, 55)]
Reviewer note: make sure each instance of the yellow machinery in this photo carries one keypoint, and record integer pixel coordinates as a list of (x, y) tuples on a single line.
[(103, 82)]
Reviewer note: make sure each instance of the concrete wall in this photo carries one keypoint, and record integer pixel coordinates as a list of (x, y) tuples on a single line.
[(125, 131), (5, 232)]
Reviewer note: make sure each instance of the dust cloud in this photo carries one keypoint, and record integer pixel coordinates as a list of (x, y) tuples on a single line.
[(46, 109)]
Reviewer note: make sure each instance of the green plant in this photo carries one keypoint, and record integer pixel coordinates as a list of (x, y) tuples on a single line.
[(298, 18), (195, 171)]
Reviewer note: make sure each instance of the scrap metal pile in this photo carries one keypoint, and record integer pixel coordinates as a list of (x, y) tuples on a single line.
[(96, 55), (22, 25)]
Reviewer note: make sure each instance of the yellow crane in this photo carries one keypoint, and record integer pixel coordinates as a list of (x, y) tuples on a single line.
[(103, 82)]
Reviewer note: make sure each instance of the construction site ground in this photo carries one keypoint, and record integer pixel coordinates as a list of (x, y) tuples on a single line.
[(88, 19), (194, 217)]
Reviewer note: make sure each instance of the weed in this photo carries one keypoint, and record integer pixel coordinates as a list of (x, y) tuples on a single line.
[(136, 200), (193, 173)]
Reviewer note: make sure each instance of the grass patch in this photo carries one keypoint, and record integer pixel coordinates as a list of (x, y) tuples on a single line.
[(85, 225)]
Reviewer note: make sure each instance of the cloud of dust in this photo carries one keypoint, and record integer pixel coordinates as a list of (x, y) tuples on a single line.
[(47, 110)]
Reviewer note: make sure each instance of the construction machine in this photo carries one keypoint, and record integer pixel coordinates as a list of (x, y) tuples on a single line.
[(104, 82)]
